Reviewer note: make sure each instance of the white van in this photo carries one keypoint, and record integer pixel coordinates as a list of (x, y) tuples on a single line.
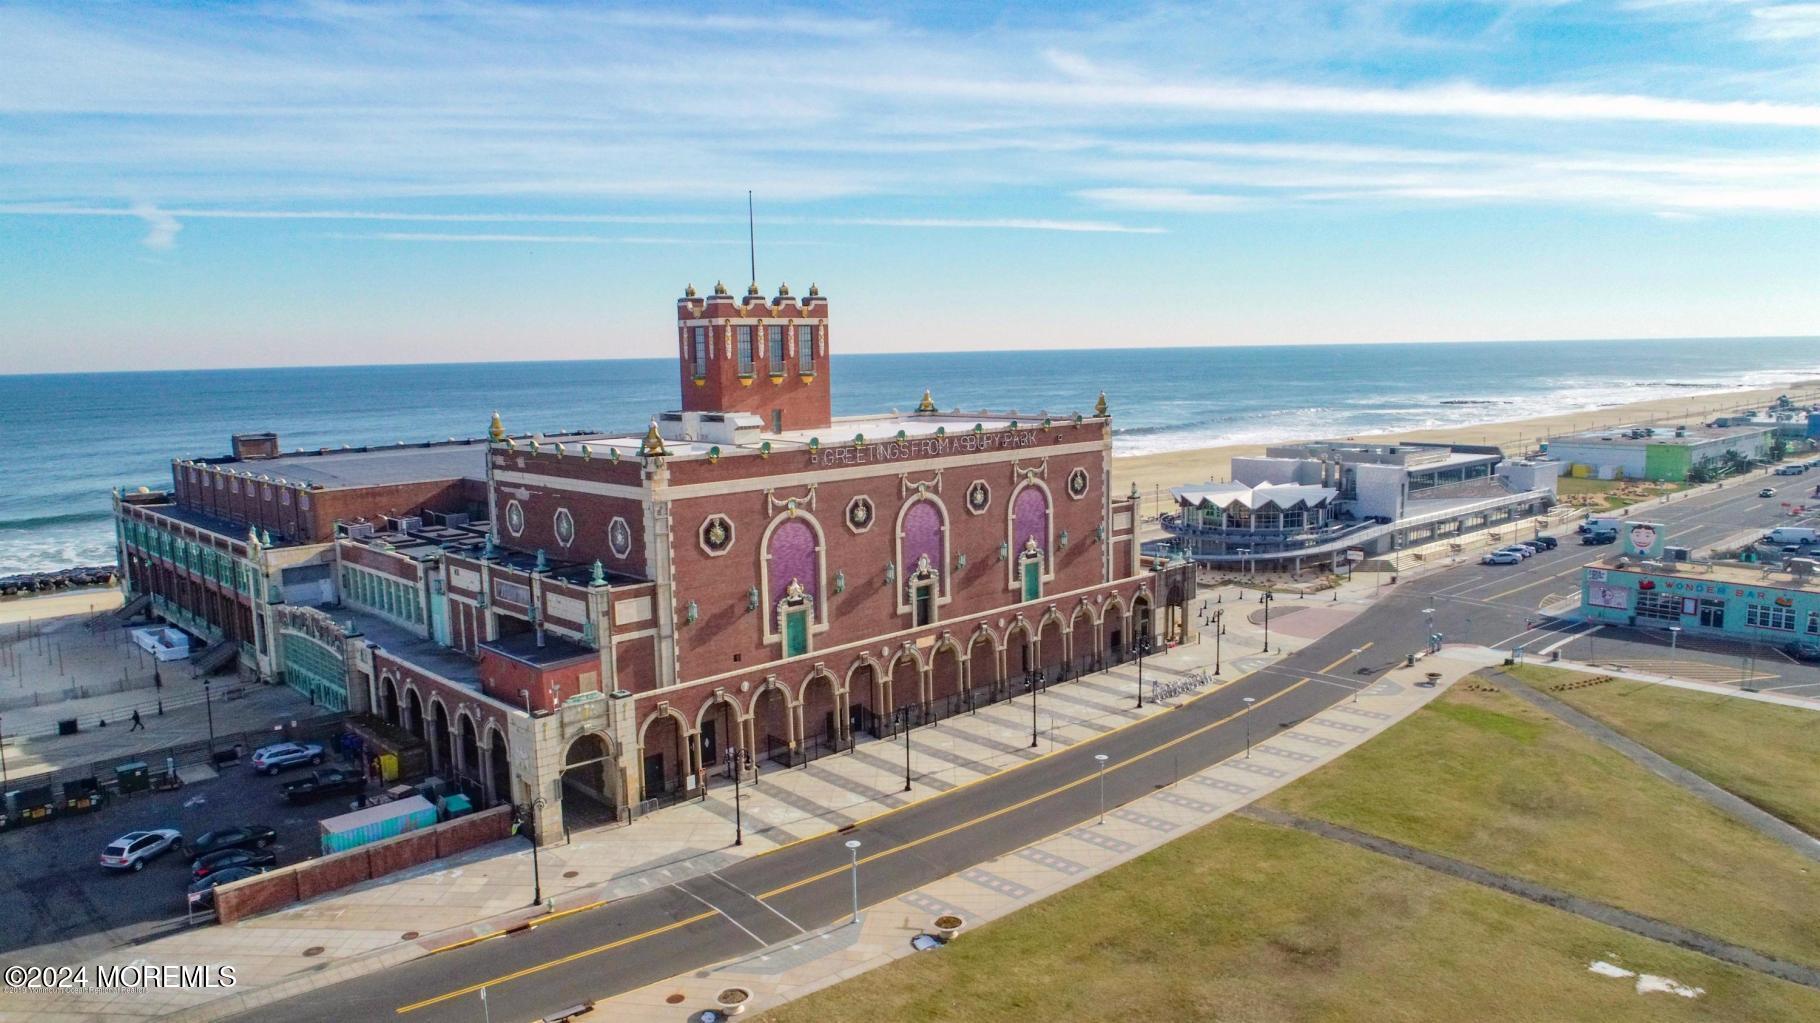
[(1794, 534), (1600, 524)]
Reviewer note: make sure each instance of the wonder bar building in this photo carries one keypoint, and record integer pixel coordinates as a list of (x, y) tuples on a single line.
[(606, 621)]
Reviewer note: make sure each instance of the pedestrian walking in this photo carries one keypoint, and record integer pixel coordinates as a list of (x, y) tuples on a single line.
[(138, 722)]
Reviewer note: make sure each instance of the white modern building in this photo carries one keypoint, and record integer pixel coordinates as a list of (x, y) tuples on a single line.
[(1307, 505)]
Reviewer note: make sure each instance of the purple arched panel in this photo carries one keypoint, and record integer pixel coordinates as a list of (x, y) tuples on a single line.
[(1030, 520), (923, 536), (792, 553)]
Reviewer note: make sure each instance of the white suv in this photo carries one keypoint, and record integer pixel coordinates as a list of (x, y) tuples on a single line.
[(272, 759), (131, 850)]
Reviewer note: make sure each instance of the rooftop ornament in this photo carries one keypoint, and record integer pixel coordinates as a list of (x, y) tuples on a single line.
[(653, 446), (926, 407), (814, 290), (764, 449), (1099, 407), (599, 573), (752, 290), (689, 292), (720, 288), (783, 290), (714, 454), (543, 563)]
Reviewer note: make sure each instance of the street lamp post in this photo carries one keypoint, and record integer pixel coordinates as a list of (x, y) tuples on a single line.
[(1101, 757), (2, 754), (536, 868), (1267, 598), (853, 851), (1249, 700), (1143, 646), (1036, 680), (208, 706), (1217, 630), (733, 757), (907, 746)]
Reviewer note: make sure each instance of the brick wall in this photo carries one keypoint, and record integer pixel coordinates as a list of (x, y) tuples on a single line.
[(321, 875)]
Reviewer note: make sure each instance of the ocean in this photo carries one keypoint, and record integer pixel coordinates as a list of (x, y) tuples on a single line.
[(66, 439)]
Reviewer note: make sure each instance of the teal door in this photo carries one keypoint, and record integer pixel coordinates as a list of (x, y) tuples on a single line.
[(796, 632), (1033, 579)]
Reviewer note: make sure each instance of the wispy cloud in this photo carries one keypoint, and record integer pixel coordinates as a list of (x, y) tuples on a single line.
[(161, 226)]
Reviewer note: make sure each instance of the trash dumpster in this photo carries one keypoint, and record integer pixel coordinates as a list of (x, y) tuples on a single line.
[(453, 806), (133, 777), (81, 795)]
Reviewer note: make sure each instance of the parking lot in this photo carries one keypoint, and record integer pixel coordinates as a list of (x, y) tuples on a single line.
[(1503, 605), (59, 906)]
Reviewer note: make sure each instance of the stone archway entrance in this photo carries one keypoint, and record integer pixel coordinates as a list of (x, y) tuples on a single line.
[(500, 763), (821, 717), (1084, 657), (588, 775), (945, 693), (982, 670), (442, 759), (1050, 651), (774, 726), (905, 690), (389, 702), (413, 713), (665, 757), (467, 762), (864, 713)]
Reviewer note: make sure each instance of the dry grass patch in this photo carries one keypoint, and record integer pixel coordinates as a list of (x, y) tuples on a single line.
[(1766, 753), (1245, 921), (1484, 777)]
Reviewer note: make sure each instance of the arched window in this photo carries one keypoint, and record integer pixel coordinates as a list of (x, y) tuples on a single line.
[(1030, 539), (792, 585), (923, 553)]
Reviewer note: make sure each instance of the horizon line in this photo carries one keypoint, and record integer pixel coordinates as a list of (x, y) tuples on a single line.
[(955, 351)]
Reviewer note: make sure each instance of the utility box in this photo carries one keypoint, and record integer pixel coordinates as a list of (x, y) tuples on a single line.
[(133, 777)]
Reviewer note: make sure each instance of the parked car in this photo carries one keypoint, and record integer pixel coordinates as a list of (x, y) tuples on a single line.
[(322, 784), (1803, 651), (1520, 552), (272, 759), (1767, 492), (1599, 537), (1535, 546), (204, 888), (131, 850), (249, 836), (228, 859), (1500, 558)]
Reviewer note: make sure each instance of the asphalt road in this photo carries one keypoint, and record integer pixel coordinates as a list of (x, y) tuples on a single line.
[(598, 952), (59, 906)]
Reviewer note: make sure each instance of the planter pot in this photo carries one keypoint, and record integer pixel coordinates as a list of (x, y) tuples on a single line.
[(732, 1001), (947, 926)]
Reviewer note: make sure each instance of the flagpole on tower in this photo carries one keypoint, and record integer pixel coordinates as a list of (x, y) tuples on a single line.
[(751, 236)]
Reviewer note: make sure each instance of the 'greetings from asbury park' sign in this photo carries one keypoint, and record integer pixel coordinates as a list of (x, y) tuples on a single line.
[(921, 447)]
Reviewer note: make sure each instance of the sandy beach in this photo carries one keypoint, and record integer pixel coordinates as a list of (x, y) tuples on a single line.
[(1155, 474)]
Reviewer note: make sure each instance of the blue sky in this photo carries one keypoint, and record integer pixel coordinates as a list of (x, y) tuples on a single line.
[(193, 185)]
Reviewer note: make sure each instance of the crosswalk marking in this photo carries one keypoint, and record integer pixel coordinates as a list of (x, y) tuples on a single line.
[(1698, 671)]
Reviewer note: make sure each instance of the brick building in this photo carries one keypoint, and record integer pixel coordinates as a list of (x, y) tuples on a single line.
[(598, 620)]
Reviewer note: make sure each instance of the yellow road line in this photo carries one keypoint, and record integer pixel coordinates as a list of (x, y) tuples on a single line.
[(540, 967), (620, 943)]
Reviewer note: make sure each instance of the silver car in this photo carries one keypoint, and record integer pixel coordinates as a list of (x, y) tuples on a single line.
[(275, 758), (131, 850)]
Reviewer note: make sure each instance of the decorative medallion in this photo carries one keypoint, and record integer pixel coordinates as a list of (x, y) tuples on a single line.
[(565, 527), (716, 535), (515, 518), (979, 497), (1077, 483), (619, 538), (860, 514)]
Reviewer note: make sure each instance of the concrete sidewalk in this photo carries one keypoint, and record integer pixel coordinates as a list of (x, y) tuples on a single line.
[(985, 892)]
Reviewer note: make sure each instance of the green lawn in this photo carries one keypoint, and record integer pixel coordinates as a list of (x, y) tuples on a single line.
[(1245, 921), (1485, 777), (1767, 754)]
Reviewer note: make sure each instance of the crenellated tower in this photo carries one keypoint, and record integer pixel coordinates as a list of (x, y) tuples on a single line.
[(767, 357)]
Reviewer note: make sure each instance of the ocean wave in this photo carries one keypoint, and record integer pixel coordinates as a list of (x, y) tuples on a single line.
[(64, 519)]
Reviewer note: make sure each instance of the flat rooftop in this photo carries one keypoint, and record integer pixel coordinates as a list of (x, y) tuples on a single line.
[(333, 468), (876, 428), (1622, 436), (1732, 572)]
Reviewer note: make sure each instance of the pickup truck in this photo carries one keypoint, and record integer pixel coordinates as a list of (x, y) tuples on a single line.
[(321, 784)]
